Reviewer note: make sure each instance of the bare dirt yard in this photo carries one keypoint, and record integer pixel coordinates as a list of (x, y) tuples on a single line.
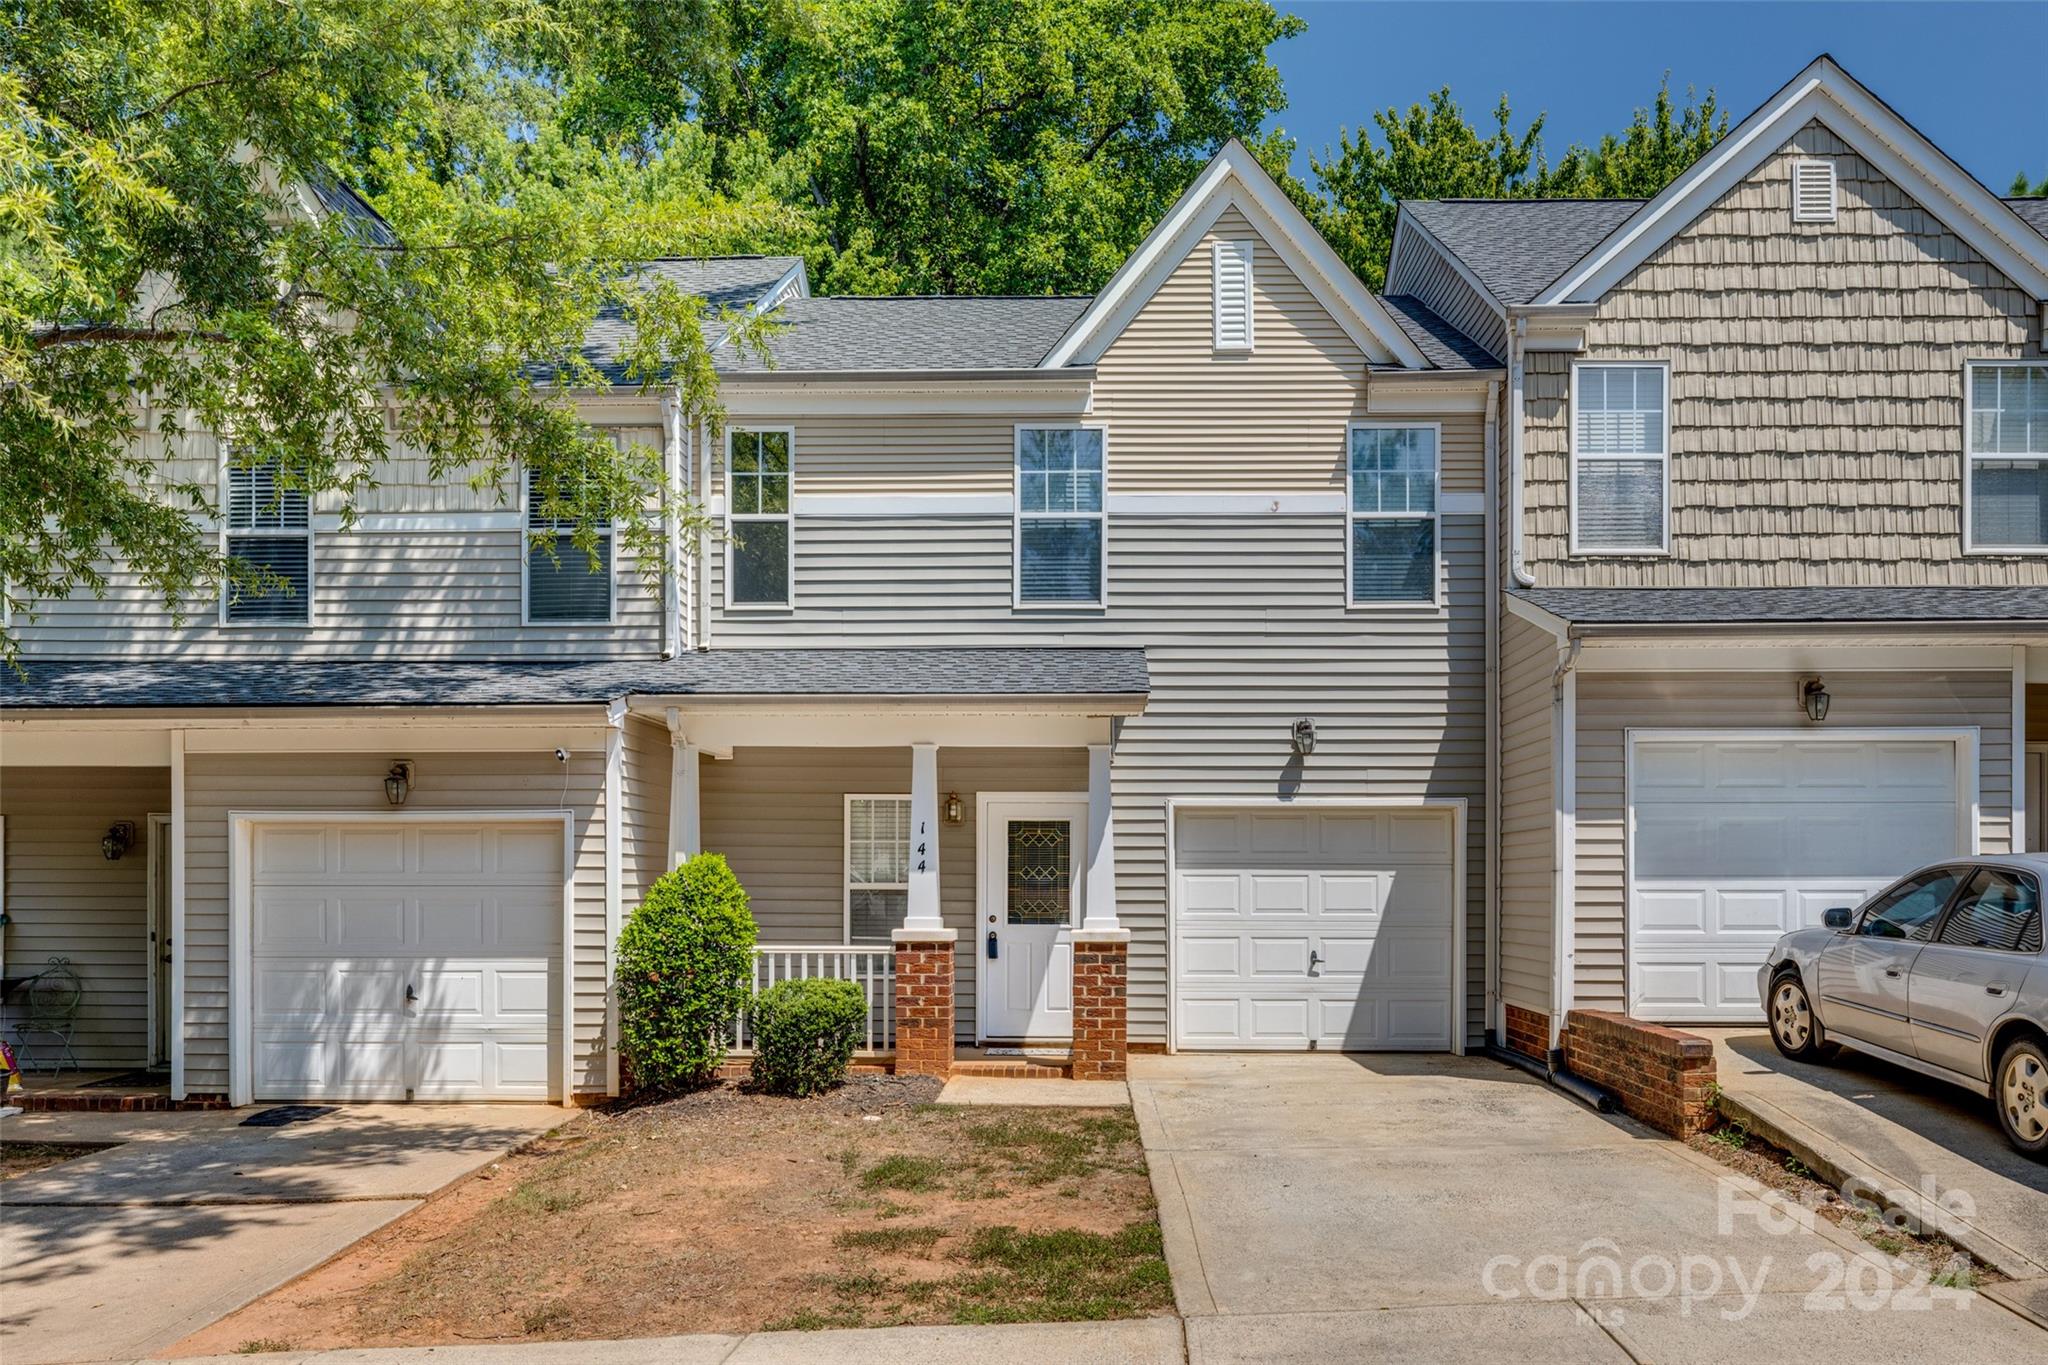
[(725, 1211), (20, 1158)]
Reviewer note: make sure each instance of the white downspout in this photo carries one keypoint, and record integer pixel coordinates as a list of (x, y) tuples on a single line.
[(672, 585), (1517, 414), (702, 436), (1490, 917), (1564, 720)]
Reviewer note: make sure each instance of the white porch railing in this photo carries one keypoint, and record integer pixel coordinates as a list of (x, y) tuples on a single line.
[(872, 968)]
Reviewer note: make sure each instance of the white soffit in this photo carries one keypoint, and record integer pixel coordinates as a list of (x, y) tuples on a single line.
[(1826, 92)]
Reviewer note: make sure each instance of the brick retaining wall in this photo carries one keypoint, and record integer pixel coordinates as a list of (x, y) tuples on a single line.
[(1662, 1077)]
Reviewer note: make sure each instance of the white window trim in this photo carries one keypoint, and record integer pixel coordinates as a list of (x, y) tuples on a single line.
[(1576, 549), (1971, 456), (788, 603), (227, 533), (1351, 518), (1827, 168), (611, 575), (846, 860), (1018, 516), (1248, 247)]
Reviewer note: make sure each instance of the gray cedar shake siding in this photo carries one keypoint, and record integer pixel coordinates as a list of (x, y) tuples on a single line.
[(1240, 608), (1816, 391)]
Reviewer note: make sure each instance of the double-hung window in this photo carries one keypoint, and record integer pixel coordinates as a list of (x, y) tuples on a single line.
[(565, 585), (270, 531), (877, 866), (1621, 483), (2007, 441), (1059, 516), (761, 541), (1393, 544)]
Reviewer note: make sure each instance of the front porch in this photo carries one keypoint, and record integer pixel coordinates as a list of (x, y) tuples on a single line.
[(962, 877)]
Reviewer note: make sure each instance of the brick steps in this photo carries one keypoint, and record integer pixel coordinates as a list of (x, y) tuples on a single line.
[(1016, 1068), (86, 1102)]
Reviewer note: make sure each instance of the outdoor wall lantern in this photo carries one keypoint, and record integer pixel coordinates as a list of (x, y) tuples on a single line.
[(1304, 736), (1813, 695), (119, 838), (398, 782), (952, 808)]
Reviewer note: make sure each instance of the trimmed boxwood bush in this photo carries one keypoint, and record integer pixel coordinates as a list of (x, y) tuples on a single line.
[(686, 968), (805, 1033)]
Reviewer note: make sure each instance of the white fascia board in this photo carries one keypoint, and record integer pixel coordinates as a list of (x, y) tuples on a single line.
[(1897, 149), (1234, 177), (1549, 622)]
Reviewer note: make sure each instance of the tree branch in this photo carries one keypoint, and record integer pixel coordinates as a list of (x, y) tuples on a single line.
[(167, 101), (95, 335)]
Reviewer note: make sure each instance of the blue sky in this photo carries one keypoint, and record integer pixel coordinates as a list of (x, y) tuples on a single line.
[(1970, 76)]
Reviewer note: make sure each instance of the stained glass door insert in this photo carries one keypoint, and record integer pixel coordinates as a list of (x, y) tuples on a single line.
[(1039, 888)]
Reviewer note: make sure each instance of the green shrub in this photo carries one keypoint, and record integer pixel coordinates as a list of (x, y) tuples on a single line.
[(686, 968), (805, 1033)]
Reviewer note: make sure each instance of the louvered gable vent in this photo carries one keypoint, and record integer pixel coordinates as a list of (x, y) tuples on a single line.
[(1813, 191), (1233, 296)]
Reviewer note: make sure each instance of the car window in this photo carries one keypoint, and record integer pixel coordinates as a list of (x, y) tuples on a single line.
[(1998, 909), (1910, 909)]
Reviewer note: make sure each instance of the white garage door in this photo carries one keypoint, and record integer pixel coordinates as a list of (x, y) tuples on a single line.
[(1298, 929), (404, 957), (1738, 841)]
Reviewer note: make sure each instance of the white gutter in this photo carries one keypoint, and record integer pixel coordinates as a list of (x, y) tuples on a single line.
[(1516, 413), (1491, 873)]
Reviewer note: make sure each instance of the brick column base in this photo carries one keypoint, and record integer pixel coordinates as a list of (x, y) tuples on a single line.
[(1662, 1076), (1101, 967), (924, 1002), (1528, 1032)]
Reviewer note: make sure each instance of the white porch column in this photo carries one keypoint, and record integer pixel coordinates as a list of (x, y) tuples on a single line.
[(1099, 902), (684, 839), (923, 911)]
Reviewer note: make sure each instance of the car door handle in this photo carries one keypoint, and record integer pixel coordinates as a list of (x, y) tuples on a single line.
[(1891, 971), (1994, 990)]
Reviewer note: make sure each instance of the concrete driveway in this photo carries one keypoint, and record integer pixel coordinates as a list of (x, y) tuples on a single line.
[(1903, 1131), (1439, 1208), (121, 1253)]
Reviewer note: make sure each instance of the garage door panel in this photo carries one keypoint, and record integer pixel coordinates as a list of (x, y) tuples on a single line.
[(1368, 894), (1734, 842), (466, 915)]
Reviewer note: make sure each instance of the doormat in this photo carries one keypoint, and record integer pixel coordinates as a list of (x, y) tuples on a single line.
[(286, 1113), (1059, 1052), (130, 1078)]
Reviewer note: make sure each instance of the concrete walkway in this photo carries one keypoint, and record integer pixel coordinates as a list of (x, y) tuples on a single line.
[(124, 1252), (1445, 1209), (1936, 1148)]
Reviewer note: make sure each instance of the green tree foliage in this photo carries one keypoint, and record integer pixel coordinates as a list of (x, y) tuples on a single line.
[(1433, 152), (2020, 189), (165, 267), (804, 1034), (685, 970)]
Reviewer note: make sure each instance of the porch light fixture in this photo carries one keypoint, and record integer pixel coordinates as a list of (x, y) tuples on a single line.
[(119, 838), (1813, 695), (398, 782), (1303, 734), (952, 808)]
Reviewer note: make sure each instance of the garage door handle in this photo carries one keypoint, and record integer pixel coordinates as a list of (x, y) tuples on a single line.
[(1314, 957)]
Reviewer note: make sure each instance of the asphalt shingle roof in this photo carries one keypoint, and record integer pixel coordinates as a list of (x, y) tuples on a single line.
[(720, 673), (926, 332), (1441, 344), (1707, 606), (1518, 246), (736, 282), (2034, 211)]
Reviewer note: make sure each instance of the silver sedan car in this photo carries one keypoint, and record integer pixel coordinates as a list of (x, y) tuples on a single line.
[(1943, 972)]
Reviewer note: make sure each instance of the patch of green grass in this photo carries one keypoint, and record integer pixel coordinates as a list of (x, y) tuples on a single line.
[(810, 1320), (1957, 1274), (534, 1197), (1891, 1244), (1062, 1276), (1734, 1136), (916, 1174), (849, 1159), (899, 1240), (262, 1346), (537, 1320), (1043, 1151), (1794, 1166)]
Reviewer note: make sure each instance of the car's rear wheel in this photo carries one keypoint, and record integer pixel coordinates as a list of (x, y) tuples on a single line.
[(1795, 1028), (2020, 1090)]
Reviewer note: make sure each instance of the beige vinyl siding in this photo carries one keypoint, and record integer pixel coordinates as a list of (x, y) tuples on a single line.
[(1528, 805), (1244, 626), (872, 453), (1610, 704), (217, 784), (66, 900), (421, 591), (779, 817), (644, 807), (1421, 270), (1185, 417), (1816, 390)]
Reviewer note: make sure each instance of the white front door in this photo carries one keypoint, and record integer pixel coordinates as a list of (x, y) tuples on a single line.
[(1736, 841), (394, 958), (1034, 856)]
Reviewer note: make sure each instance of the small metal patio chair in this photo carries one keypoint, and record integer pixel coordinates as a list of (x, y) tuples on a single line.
[(51, 1012)]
